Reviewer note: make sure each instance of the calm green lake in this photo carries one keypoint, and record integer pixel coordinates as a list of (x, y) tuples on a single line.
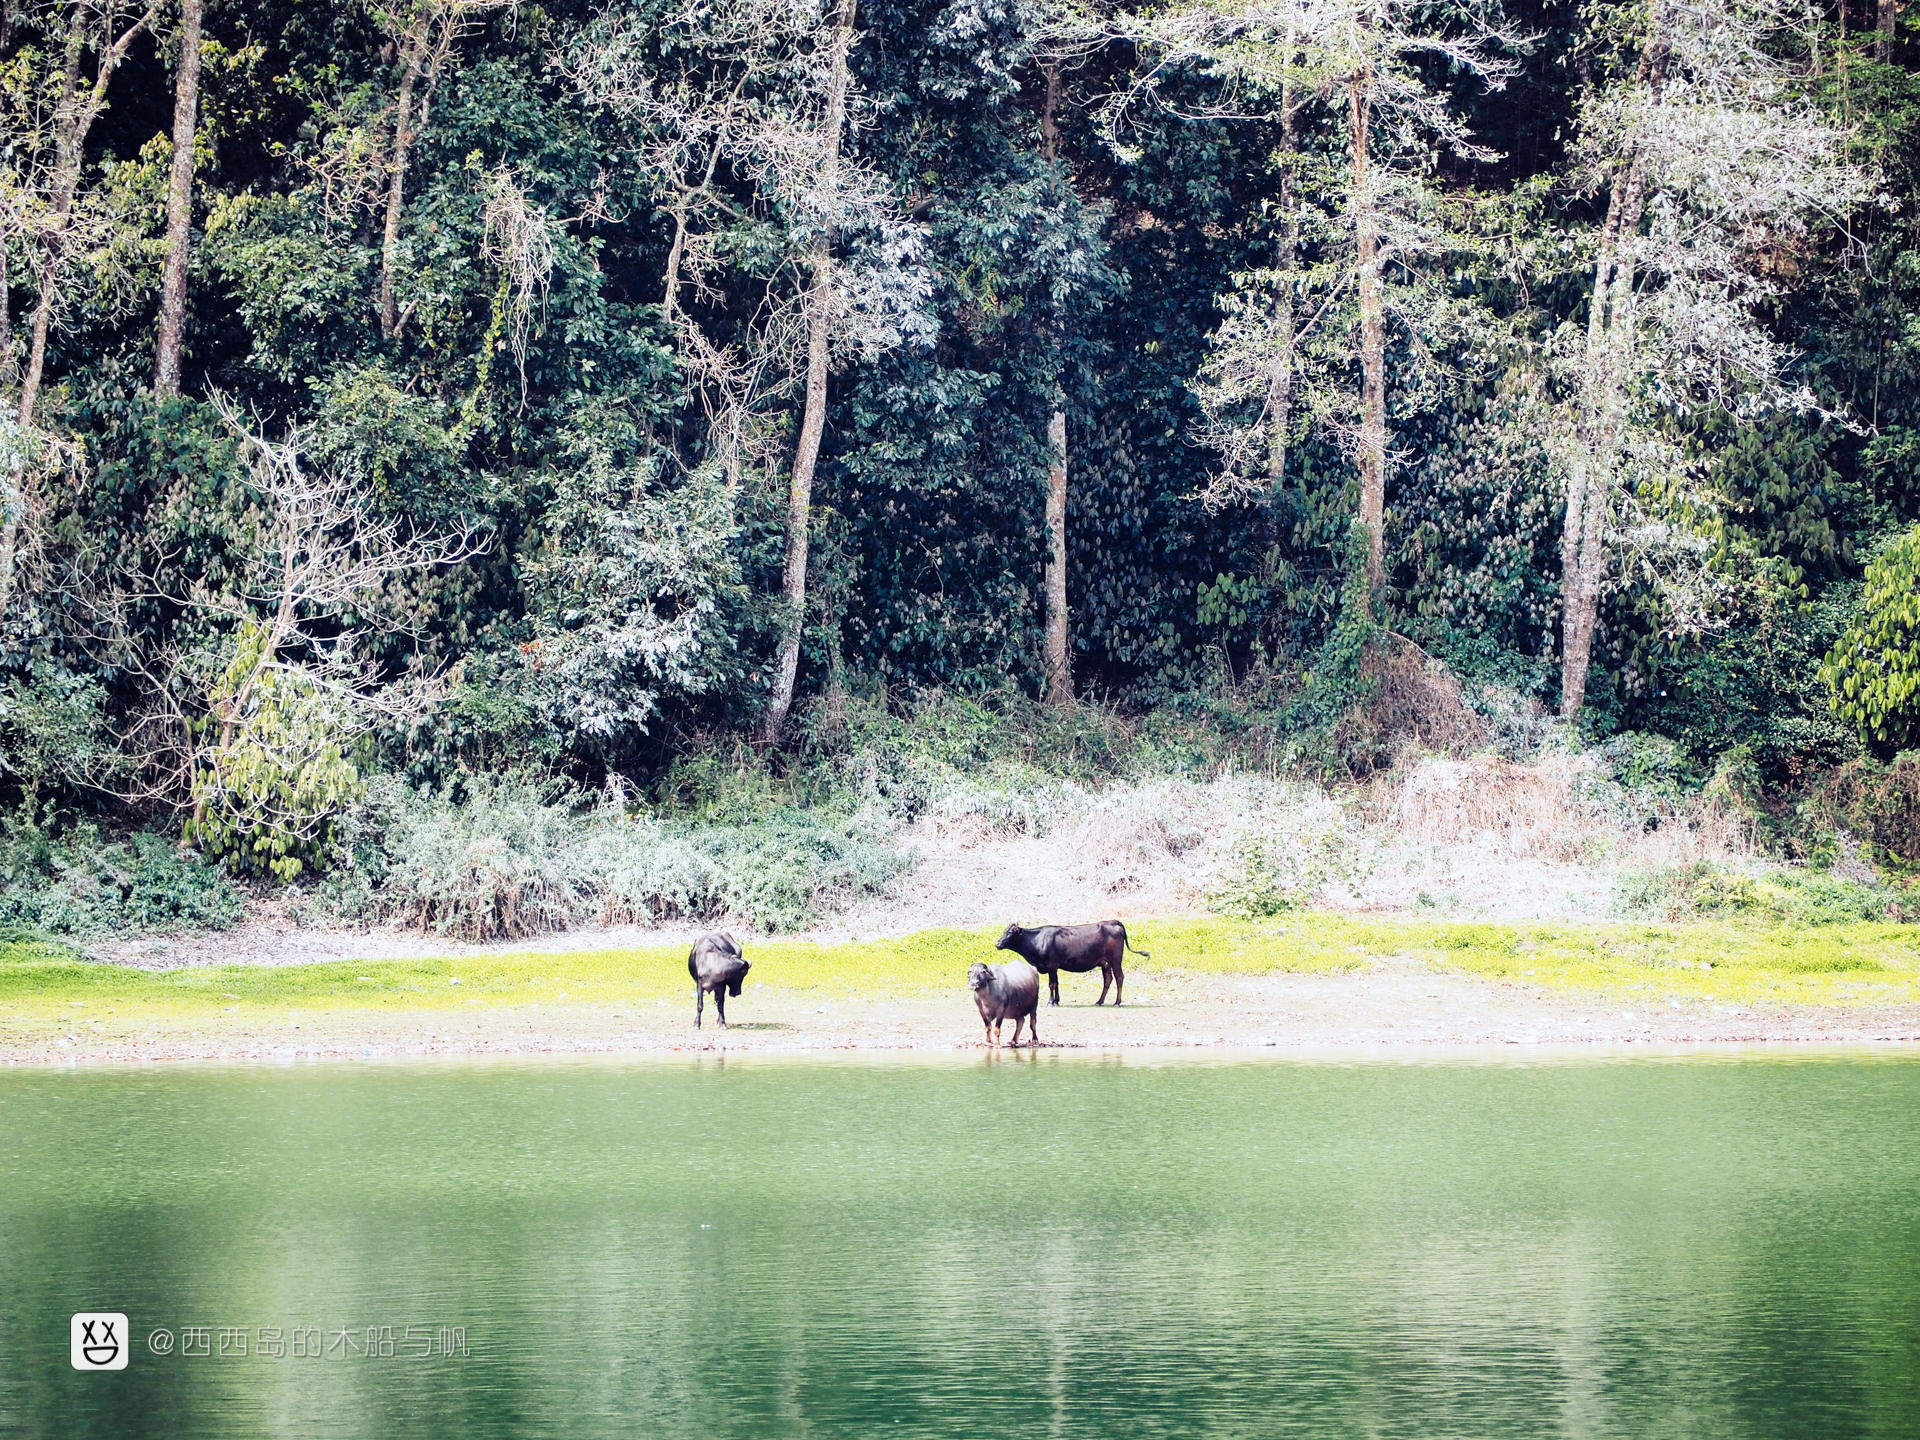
[(1699, 1246)]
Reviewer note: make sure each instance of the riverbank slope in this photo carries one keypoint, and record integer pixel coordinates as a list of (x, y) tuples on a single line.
[(1305, 980)]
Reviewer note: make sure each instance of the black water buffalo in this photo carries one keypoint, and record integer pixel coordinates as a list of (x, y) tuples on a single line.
[(716, 965), (1077, 949), (1009, 991)]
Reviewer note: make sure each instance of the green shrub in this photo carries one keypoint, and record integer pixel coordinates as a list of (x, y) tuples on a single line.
[(1874, 670), (1809, 897), (265, 796), (514, 858), (1251, 887), (1270, 874), (1803, 897), (51, 731), (502, 864), (22, 945), (1879, 803), (779, 872), (71, 883)]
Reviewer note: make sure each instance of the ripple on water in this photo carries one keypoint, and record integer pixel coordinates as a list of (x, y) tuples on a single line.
[(1087, 1247)]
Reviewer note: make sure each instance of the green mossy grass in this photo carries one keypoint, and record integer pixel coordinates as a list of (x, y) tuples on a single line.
[(43, 984)]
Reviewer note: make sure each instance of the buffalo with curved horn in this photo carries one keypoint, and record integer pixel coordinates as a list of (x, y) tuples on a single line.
[(1075, 949)]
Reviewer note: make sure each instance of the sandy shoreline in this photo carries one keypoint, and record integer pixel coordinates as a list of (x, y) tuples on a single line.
[(1411, 1011)]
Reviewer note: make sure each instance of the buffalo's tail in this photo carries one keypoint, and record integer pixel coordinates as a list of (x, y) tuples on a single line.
[(1129, 945)]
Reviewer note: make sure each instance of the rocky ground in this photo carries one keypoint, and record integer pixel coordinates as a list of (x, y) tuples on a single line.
[(1406, 1010)]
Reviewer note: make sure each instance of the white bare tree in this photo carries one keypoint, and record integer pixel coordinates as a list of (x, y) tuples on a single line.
[(1714, 168), (425, 35), (746, 110), (49, 99), (1363, 66), (279, 671), (51, 117)]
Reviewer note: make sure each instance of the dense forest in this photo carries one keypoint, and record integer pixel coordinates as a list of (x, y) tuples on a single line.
[(454, 388)]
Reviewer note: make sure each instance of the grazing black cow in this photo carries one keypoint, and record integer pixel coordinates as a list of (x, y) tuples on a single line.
[(1077, 949), (716, 965), (1009, 991)]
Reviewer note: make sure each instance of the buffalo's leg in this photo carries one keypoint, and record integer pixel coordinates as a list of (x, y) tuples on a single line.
[(699, 1005), (1119, 981), (1053, 987), (1033, 1029), (1018, 1021), (1106, 979), (720, 1005)]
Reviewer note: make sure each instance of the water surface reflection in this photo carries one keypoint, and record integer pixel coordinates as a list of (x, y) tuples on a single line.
[(1068, 1246)]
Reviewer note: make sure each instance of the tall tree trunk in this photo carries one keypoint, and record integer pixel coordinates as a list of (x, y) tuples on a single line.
[(1054, 648), (1059, 669), (414, 56), (13, 507), (9, 371), (173, 287), (813, 420), (74, 111), (13, 503), (69, 138), (1286, 252), (13, 499), (1600, 427), (1883, 37), (671, 290), (1373, 348)]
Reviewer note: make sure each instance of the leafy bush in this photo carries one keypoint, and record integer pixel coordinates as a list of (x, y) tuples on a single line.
[(1874, 670), (22, 945), (1252, 887), (1272, 873), (266, 795), (515, 858), (504, 864), (1809, 897), (70, 883), (1651, 769), (1879, 803), (1803, 897), (778, 872), (51, 733), (875, 747)]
